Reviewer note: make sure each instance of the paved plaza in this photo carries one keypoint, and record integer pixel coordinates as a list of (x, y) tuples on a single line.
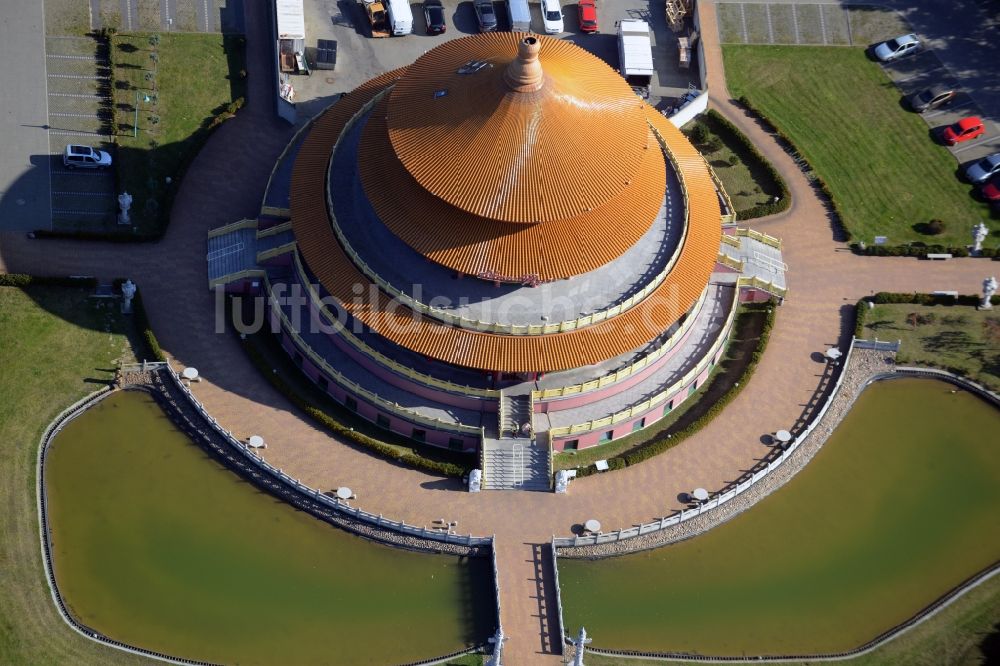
[(225, 183)]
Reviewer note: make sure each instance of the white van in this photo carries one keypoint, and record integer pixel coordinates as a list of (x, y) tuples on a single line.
[(400, 17), (520, 15)]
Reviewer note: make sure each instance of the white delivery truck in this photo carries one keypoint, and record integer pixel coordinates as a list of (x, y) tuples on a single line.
[(635, 54), (519, 15), (400, 17)]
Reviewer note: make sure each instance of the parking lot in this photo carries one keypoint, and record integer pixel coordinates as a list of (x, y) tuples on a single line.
[(78, 112), (917, 72), (833, 24), (360, 57)]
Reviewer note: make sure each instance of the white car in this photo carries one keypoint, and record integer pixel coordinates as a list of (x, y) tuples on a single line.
[(552, 17), (897, 48), (983, 169), (85, 157)]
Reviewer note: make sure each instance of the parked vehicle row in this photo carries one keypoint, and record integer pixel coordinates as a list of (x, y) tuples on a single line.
[(984, 173), (394, 17)]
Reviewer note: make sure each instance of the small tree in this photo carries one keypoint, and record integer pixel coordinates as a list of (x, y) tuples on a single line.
[(154, 40), (733, 160), (935, 227), (699, 134)]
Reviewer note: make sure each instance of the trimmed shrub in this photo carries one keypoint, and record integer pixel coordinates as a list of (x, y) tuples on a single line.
[(142, 324), (22, 280), (723, 126)]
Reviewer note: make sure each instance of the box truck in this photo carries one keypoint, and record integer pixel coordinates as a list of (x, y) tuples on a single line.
[(635, 54)]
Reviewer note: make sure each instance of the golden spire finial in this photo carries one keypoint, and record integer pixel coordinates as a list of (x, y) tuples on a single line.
[(524, 73)]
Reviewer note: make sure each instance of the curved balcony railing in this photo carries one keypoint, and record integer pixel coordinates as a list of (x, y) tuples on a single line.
[(359, 390), (628, 371), (379, 357), (662, 396)]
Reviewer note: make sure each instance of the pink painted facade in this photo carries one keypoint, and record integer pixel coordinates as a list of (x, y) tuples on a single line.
[(373, 413)]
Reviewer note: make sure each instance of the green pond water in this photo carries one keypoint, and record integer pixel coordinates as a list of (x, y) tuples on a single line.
[(157, 545), (899, 506)]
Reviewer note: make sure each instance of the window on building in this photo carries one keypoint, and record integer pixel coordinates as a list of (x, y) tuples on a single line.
[(323, 382), (669, 408), (692, 389), (351, 403), (572, 445), (298, 359), (455, 443), (420, 435), (639, 425), (607, 436), (382, 420)]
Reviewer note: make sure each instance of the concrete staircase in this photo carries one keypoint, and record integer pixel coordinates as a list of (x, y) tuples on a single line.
[(515, 413), (515, 464)]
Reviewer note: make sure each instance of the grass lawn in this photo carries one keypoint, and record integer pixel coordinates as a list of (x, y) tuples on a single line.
[(843, 113), (963, 634), (742, 173), (57, 346), (194, 79), (958, 338)]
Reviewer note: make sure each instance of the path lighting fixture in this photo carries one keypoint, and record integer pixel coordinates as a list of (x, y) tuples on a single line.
[(135, 122)]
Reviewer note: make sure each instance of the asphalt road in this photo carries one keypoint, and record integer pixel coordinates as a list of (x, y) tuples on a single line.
[(24, 159)]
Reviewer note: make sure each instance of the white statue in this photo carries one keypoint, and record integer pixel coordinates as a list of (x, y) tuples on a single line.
[(125, 202), (581, 641), (989, 288), (128, 291), (979, 234), (475, 480)]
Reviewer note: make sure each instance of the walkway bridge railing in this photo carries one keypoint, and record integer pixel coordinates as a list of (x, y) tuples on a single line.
[(378, 521)]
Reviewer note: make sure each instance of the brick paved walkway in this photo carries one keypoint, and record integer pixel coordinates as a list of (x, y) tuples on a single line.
[(226, 182)]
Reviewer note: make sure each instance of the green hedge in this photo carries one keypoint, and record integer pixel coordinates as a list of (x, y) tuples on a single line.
[(789, 147), (142, 324), (22, 280), (667, 439), (918, 250), (103, 236), (336, 427), (895, 298), (734, 133)]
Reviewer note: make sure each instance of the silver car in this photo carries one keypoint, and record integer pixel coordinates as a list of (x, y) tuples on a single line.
[(897, 47), (980, 171), (85, 157)]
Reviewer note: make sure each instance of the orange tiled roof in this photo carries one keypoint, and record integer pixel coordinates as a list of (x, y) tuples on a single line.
[(522, 157), (508, 251), (506, 353)]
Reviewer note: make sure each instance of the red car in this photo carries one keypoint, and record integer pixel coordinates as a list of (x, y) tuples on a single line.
[(991, 190), (588, 16), (965, 129)]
